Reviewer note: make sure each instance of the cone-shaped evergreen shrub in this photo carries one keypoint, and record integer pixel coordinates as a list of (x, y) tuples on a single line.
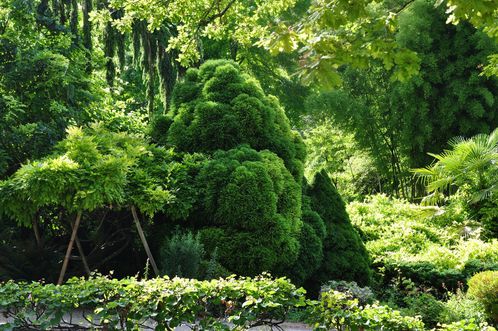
[(345, 256), (219, 107), (311, 239)]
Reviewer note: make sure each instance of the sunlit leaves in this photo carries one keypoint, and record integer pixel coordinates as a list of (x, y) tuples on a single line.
[(92, 168), (241, 21), (336, 33), (470, 165)]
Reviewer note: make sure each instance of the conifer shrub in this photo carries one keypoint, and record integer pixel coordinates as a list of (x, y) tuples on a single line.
[(181, 255), (250, 208), (219, 107), (344, 255)]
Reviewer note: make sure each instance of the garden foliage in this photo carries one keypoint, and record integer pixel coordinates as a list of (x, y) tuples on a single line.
[(165, 303), (128, 304), (484, 288)]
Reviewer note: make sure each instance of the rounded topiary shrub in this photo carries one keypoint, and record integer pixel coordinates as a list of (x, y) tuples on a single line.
[(484, 288), (217, 107), (344, 254), (250, 209)]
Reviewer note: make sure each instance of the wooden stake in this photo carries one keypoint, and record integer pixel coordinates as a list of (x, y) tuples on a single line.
[(144, 241), (83, 257), (69, 248), (82, 253)]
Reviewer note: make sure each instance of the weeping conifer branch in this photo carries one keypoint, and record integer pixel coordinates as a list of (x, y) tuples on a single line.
[(55, 8), (149, 52), (166, 69), (87, 32), (74, 21)]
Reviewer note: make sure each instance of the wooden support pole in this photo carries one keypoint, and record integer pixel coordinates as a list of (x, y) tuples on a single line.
[(69, 248), (83, 257), (144, 241), (82, 253)]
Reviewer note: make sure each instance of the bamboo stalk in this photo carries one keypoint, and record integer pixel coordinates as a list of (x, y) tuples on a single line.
[(144, 241), (69, 248)]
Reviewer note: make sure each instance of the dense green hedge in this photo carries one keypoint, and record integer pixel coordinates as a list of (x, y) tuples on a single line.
[(427, 275), (164, 303), (129, 304)]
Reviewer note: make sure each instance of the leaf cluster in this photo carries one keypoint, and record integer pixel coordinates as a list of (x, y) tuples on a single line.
[(130, 304)]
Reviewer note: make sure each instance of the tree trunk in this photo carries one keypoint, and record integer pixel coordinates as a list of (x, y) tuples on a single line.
[(69, 248), (144, 241), (36, 230)]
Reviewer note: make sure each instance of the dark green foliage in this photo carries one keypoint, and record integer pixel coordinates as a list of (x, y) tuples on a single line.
[(427, 275), (310, 255), (212, 269), (426, 306), (181, 255), (313, 234), (219, 107), (43, 84), (251, 206), (158, 126), (345, 256), (449, 98)]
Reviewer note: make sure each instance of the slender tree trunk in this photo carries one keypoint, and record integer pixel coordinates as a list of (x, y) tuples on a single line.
[(144, 241), (36, 230), (69, 248)]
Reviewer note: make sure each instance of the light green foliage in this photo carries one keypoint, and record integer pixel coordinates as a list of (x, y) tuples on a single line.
[(470, 167), (340, 32), (364, 295), (243, 22), (459, 306), (399, 231), (391, 226), (219, 107), (350, 168), (484, 288), (43, 85), (181, 255), (255, 205), (337, 310), (128, 304), (398, 123), (91, 168), (467, 325), (353, 262)]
